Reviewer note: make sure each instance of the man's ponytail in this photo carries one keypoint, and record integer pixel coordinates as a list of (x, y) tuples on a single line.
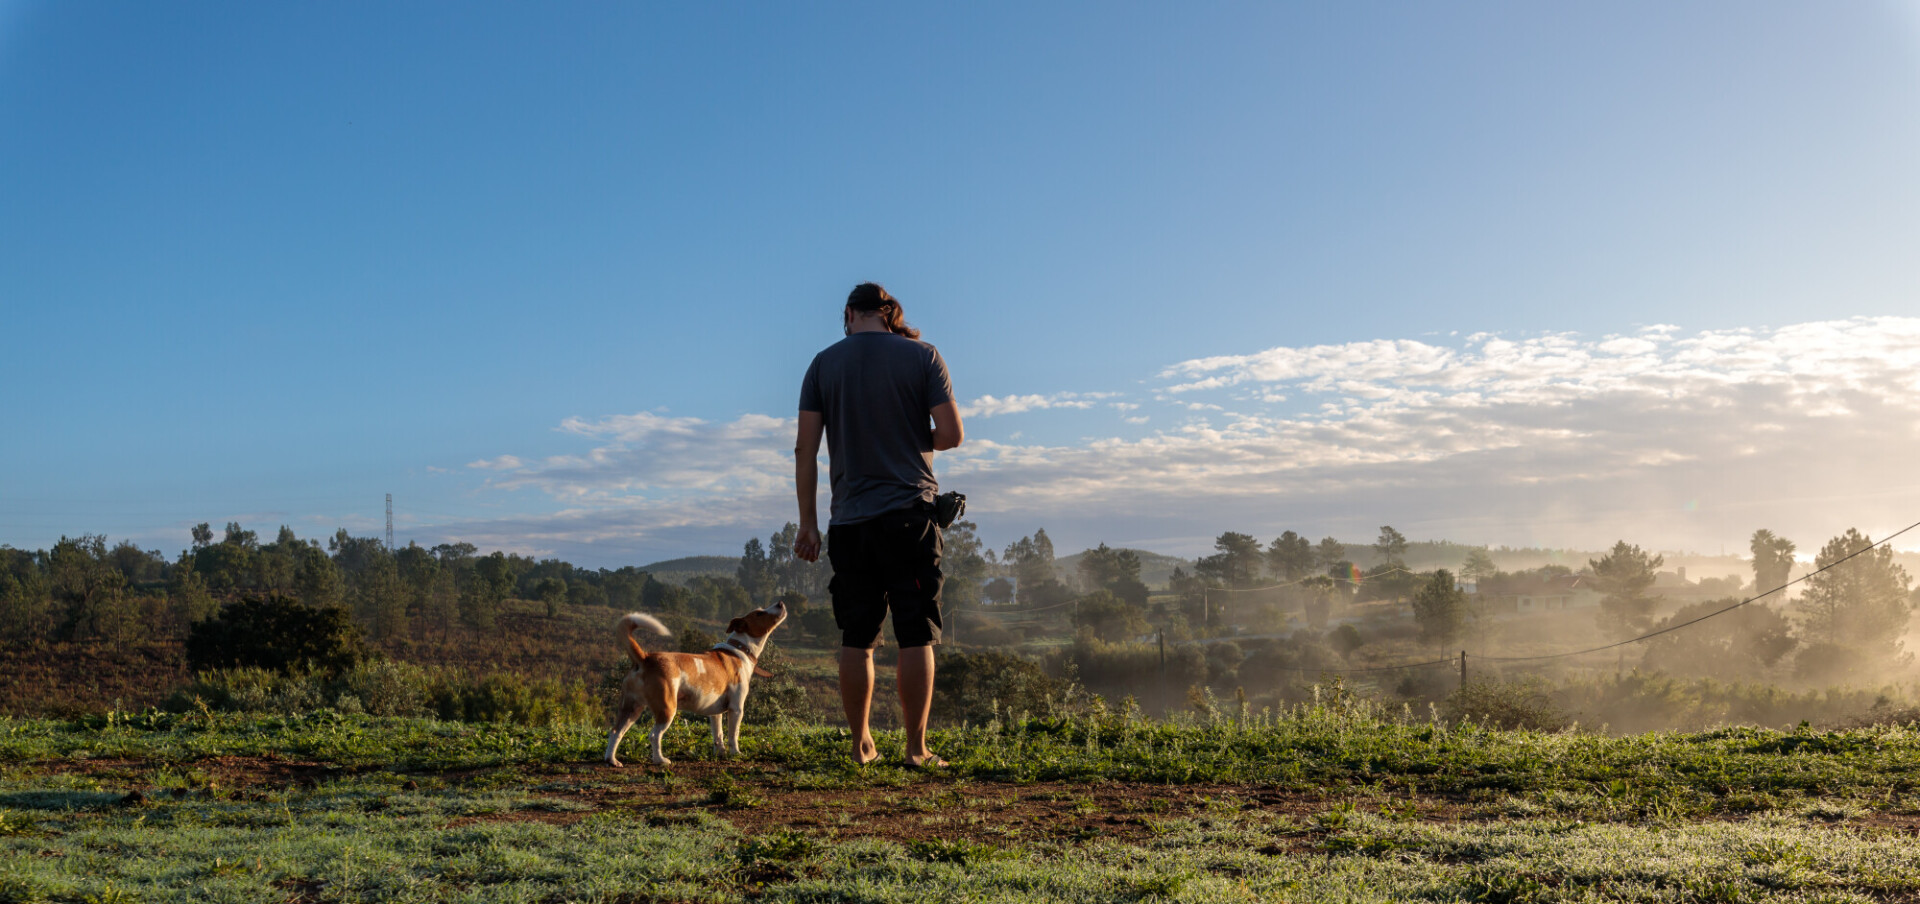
[(872, 298)]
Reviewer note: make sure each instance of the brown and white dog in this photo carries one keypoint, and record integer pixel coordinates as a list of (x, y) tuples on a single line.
[(712, 684)]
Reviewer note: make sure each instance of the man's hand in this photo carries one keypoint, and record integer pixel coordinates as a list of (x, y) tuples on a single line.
[(807, 544)]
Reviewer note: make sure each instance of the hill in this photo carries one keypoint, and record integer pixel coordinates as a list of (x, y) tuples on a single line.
[(681, 570)]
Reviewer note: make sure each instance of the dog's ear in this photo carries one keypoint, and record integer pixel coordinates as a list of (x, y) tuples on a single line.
[(737, 626), (759, 672)]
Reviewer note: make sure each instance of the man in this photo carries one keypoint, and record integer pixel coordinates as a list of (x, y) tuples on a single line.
[(872, 394)]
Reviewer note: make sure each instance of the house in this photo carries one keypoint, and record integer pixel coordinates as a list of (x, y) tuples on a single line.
[(1526, 594)]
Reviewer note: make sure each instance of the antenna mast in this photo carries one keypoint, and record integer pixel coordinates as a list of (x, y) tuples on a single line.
[(389, 522)]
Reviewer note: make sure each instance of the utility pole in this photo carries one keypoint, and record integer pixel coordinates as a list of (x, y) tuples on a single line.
[(389, 522)]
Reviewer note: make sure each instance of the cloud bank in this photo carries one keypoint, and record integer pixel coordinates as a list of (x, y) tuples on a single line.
[(1670, 440)]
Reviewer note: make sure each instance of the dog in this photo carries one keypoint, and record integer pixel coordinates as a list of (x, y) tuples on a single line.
[(712, 684)]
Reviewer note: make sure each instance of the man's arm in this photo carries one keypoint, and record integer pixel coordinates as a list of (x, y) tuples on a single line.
[(947, 429), (806, 483)]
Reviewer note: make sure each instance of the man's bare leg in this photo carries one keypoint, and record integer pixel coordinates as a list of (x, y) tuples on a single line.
[(856, 698), (916, 702)]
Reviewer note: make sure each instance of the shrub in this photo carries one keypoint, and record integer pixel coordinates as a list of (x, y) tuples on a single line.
[(779, 697), (512, 698), (253, 689), (383, 688), (276, 633), (1510, 704), (967, 686)]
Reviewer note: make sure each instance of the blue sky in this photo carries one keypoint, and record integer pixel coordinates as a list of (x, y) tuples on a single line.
[(1496, 272)]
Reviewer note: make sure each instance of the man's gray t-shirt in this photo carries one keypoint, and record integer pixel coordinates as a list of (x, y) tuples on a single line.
[(875, 391)]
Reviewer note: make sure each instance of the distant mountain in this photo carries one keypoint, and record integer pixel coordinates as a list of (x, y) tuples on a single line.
[(680, 571)]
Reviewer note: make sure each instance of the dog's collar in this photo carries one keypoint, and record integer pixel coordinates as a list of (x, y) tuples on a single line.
[(736, 647)]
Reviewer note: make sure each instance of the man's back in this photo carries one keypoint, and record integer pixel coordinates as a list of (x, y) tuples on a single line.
[(874, 391)]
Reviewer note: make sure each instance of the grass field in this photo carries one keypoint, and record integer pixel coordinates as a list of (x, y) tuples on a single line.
[(1331, 802)]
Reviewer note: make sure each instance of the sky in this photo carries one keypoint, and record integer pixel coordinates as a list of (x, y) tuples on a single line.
[(1499, 273)]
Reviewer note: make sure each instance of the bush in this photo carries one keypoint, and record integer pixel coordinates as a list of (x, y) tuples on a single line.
[(383, 688), (1511, 704), (511, 698), (253, 689), (778, 697), (276, 633), (968, 687), (387, 688)]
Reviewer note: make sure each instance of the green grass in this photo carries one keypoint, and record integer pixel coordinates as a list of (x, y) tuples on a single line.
[(368, 842), (421, 810), (1306, 749)]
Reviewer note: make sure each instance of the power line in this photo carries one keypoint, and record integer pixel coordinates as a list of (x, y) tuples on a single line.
[(1694, 621), (1651, 634)]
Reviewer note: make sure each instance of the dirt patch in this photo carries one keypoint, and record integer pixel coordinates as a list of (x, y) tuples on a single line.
[(760, 799)]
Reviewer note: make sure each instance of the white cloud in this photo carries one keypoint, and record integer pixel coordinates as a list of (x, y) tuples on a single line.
[(653, 456), (502, 463), (992, 406), (1667, 439)]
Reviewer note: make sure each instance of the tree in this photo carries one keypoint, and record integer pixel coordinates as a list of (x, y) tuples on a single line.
[(1238, 562), (493, 576), (88, 590), (316, 580), (1391, 547), (228, 565), (1440, 608), (1623, 576), (1743, 644), (276, 633), (440, 607), (26, 600), (1772, 560), (553, 592), (1478, 566), (1031, 559), (355, 555), (717, 597), (379, 599), (1316, 600), (1346, 639), (998, 591), (1109, 618), (418, 568), (1290, 556), (755, 572), (1116, 571), (202, 534), (188, 594), (135, 564), (1328, 553), (964, 565), (241, 537), (454, 555), (1860, 605), (277, 564)]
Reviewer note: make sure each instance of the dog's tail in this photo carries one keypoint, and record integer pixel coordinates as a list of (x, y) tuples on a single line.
[(634, 620)]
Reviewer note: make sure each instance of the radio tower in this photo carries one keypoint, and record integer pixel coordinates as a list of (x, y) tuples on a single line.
[(389, 522)]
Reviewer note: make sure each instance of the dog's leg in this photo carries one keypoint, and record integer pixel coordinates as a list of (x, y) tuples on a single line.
[(663, 706), (653, 739), (735, 714), (719, 746), (621, 722)]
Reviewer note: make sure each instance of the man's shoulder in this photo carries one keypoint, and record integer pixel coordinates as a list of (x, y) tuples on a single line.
[(887, 344)]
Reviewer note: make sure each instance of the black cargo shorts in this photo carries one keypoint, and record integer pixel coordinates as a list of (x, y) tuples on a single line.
[(891, 563)]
